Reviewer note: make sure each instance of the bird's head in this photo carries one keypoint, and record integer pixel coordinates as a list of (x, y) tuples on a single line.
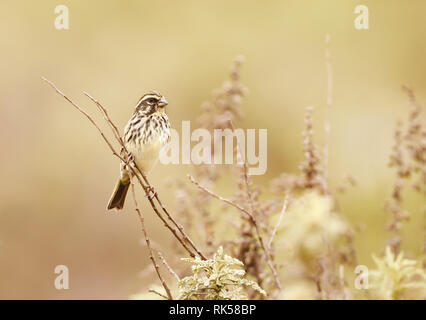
[(151, 102)]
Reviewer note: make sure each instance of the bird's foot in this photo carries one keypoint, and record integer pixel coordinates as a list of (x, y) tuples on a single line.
[(131, 158), (151, 193)]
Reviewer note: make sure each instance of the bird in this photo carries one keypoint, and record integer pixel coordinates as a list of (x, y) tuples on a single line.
[(147, 131)]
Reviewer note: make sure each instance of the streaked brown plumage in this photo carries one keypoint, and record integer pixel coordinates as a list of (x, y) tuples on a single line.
[(144, 135)]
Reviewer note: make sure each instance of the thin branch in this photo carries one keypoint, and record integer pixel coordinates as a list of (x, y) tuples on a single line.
[(169, 216), (154, 207), (283, 210), (158, 293), (253, 221), (327, 110), (245, 171), (86, 115), (148, 243), (172, 272), (107, 119)]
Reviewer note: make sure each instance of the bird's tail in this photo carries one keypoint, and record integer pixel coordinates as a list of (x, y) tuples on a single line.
[(119, 195)]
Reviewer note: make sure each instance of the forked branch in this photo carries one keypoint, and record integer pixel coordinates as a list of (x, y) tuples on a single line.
[(254, 223)]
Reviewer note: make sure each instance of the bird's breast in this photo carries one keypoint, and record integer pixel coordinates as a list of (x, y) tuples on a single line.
[(144, 138), (146, 155)]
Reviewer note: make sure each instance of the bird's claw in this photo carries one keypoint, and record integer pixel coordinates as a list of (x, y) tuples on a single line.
[(151, 193), (131, 157)]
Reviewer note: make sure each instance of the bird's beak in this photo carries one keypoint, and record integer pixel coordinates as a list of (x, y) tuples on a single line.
[(163, 102)]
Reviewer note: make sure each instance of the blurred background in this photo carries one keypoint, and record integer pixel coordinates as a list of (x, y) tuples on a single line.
[(57, 174)]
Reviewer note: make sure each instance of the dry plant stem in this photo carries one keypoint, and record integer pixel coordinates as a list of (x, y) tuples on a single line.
[(131, 167), (157, 293), (148, 243), (408, 157), (107, 119), (252, 215), (245, 171), (173, 230), (328, 109), (148, 186), (172, 272), (154, 207), (283, 210), (343, 283), (87, 116), (180, 228), (254, 222)]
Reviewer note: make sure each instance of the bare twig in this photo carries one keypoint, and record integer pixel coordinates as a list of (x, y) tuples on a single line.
[(148, 243), (253, 221), (86, 115), (328, 109), (157, 293), (107, 119), (172, 272), (245, 172), (283, 210), (180, 228)]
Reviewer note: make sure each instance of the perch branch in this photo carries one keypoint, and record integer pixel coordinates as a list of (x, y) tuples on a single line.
[(147, 186), (132, 167)]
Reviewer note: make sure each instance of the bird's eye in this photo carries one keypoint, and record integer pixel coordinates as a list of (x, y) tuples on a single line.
[(152, 100)]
